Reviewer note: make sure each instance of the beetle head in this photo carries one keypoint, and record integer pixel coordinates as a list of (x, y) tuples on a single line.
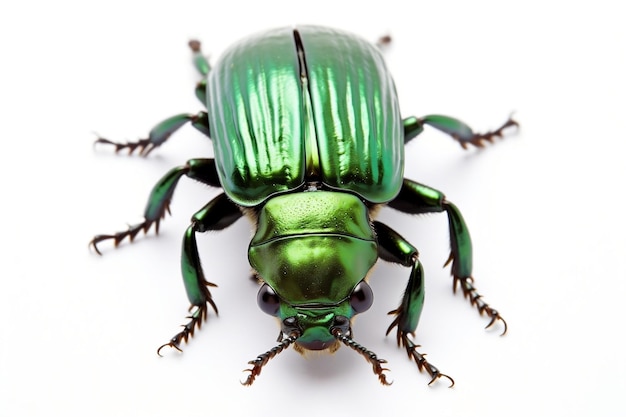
[(316, 325)]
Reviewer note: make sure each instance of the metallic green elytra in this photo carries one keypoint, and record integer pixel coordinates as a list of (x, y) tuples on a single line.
[(309, 144), (282, 111)]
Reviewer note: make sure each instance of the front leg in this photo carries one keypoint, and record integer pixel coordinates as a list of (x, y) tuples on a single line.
[(394, 248), (218, 214), (415, 198)]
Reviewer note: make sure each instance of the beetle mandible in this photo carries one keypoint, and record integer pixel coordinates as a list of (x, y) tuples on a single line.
[(309, 143)]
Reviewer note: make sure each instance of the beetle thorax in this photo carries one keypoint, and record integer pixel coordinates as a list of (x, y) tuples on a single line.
[(313, 248)]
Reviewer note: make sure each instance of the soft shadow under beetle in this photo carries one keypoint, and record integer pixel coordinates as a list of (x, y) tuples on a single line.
[(309, 143)]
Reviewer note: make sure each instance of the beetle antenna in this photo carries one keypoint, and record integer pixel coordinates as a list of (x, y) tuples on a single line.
[(367, 354), (262, 359)]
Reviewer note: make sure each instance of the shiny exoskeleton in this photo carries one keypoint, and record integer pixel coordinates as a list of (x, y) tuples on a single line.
[(309, 142)]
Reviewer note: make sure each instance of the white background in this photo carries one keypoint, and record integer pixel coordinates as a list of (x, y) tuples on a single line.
[(545, 206)]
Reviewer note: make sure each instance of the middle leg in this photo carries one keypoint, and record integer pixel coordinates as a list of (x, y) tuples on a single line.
[(202, 170), (455, 128)]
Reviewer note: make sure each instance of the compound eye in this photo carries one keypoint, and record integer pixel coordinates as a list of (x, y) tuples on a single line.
[(362, 297), (268, 300)]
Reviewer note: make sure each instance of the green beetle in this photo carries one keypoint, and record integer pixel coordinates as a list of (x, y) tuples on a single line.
[(309, 143)]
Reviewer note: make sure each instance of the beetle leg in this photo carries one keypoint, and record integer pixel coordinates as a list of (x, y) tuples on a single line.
[(415, 198), (394, 248), (218, 214), (458, 130), (201, 95), (200, 61), (161, 132), (202, 170)]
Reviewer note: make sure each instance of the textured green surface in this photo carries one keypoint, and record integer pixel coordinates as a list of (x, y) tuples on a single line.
[(359, 129), (277, 123), (255, 116), (313, 248)]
